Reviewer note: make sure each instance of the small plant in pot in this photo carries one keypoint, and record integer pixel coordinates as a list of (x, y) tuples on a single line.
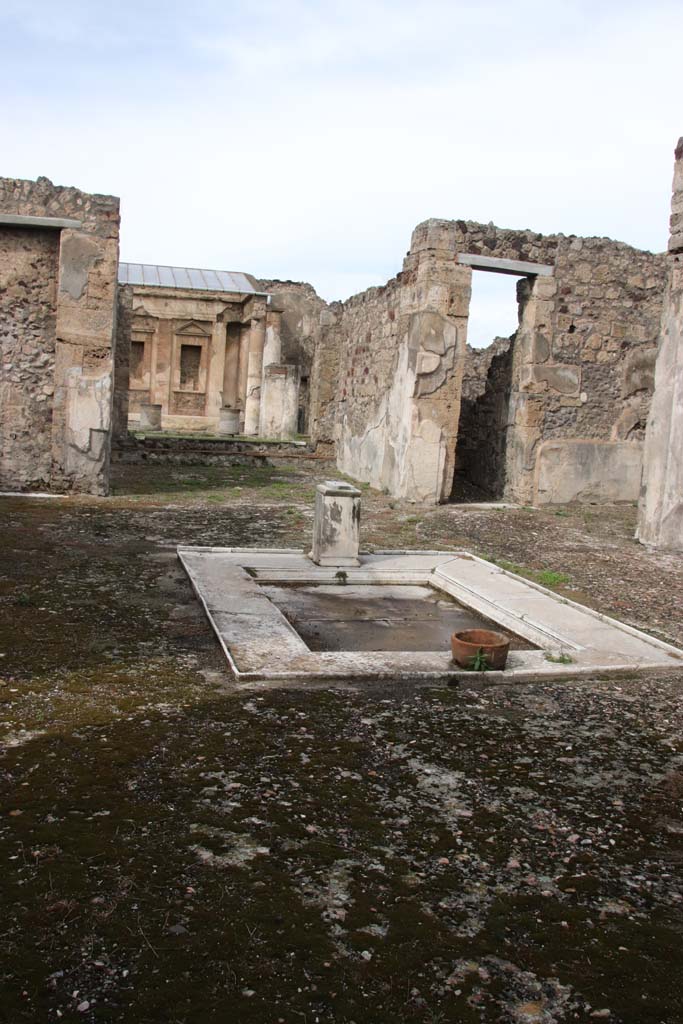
[(479, 663), (480, 650)]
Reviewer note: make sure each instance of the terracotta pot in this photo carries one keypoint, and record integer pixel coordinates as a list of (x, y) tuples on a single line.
[(466, 645)]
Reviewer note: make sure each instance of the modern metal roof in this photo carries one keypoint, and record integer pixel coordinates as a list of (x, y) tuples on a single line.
[(153, 276)]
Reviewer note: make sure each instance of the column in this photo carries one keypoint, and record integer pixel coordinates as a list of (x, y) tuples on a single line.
[(272, 349), (231, 371), (161, 378), (214, 382), (290, 403), (243, 365), (257, 339)]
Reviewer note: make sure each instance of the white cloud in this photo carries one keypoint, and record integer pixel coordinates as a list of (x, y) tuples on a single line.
[(306, 139)]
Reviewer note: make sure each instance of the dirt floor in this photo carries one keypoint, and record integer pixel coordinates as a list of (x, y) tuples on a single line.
[(175, 851)]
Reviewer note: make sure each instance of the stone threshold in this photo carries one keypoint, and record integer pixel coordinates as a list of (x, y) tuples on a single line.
[(32, 494), (264, 649)]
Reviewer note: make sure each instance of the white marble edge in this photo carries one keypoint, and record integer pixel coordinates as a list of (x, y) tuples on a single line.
[(377, 665)]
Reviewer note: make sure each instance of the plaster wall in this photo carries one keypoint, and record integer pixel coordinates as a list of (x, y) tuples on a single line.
[(661, 504), (586, 471)]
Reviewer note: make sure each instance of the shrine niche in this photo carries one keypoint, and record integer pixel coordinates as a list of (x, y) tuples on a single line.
[(189, 342)]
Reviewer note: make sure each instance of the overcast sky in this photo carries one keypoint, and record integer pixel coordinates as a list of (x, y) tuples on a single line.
[(304, 140)]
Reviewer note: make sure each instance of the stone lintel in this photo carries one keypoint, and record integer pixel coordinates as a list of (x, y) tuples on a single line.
[(16, 220), (498, 266)]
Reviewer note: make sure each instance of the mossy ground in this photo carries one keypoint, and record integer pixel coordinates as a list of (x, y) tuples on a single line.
[(176, 851)]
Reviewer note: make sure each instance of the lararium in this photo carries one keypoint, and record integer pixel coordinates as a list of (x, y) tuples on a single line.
[(284, 617)]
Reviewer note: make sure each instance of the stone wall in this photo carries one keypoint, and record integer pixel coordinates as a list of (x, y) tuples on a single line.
[(58, 261), (301, 311), (188, 450), (387, 379), (480, 452), (661, 506), (325, 390)]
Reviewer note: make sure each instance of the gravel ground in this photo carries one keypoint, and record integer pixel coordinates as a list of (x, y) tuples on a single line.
[(176, 851)]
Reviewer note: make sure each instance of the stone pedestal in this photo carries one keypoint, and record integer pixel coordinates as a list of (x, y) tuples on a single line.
[(229, 421), (279, 401), (336, 529), (150, 417)]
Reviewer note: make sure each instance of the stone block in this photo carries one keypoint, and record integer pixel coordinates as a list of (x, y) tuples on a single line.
[(229, 421), (427, 362), (150, 416), (563, 378), (540, 348), (638, 371)]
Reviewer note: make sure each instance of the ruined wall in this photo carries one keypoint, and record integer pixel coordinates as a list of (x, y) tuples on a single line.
[(583, 354), (661, 505), (325, 389), (301, 308), (300, 327), (386, 374), (57, 299), (480, 451), (387, 380)]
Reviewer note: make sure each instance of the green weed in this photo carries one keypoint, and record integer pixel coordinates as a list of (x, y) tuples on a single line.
[(479, 663)]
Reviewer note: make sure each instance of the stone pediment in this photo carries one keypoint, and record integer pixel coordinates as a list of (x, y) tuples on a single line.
[(194, 330)]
